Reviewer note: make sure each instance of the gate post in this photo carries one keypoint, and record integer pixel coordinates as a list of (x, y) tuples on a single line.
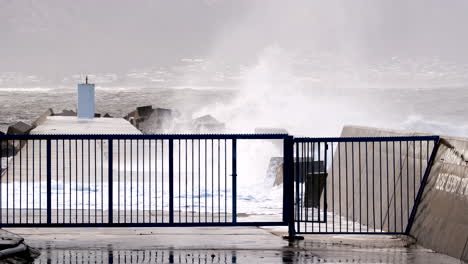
[(288, 185), (110, 180), (234, 180), (171, 180), (49, 181)]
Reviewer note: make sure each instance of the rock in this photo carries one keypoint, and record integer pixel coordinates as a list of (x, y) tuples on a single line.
[(97, 115), (208, 124), (7, 149), (151, 121), (132, 117), (131, 114), (43, 117), (20, 128), (66, 113), (159, 121), (106, 115), (144, 111)]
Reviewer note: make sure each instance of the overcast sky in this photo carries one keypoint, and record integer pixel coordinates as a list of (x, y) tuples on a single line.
[(63, 36)]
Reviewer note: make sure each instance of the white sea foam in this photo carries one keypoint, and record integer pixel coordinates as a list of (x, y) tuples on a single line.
[(134, 195), (420, 124)]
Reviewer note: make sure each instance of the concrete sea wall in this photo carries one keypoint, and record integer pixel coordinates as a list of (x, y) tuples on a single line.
[(441, 221)]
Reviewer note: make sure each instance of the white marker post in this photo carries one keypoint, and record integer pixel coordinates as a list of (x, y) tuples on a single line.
[(86, 100)]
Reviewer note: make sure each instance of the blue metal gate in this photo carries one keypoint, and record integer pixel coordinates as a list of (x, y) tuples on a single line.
[(330, 185), (359, 185), (121, 180)]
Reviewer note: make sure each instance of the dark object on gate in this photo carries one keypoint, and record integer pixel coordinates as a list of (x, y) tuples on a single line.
[(97, 115), (19, 128), (308, 166), (314, 186), (313, 174)]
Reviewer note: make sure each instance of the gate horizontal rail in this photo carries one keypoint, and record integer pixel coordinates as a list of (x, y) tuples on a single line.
[(145, 136)]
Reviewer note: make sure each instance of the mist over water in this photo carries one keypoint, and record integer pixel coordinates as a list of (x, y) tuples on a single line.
[(307, 66)]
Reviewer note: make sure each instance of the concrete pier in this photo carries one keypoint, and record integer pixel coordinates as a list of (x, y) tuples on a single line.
[(71, 125), (219, 245)]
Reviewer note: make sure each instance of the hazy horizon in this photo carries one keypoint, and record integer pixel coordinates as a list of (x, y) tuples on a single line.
[(396, 58), (55, 38)]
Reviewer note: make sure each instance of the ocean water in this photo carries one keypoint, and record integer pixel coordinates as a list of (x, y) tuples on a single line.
[(314, 112), (26, 104)]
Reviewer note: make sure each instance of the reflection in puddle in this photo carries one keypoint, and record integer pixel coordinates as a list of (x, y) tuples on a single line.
[(329, 255), (173, 256), (136, 256)]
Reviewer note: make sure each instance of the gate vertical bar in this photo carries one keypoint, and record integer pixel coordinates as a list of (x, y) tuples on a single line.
[(171, 181), (49, 182), (296, 178), (288, 184), (234, 180), (110, 179)]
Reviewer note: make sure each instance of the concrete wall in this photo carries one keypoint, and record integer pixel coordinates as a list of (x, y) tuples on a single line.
[(382, 195), (441, 221)]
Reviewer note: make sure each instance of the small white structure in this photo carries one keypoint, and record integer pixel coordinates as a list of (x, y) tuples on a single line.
[(70, 125), (86, 100)]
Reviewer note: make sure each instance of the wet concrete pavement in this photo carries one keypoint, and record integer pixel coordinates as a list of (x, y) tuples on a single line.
[(218, 245)]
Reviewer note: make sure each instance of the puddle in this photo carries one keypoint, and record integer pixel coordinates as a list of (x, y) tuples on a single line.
[(327, 255)]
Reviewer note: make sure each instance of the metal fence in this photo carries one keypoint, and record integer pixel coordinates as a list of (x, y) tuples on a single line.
[(121, 180), (359, 185), (330, 185)]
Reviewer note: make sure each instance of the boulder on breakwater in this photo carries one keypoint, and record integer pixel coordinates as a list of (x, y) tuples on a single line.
[(151, 120)]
